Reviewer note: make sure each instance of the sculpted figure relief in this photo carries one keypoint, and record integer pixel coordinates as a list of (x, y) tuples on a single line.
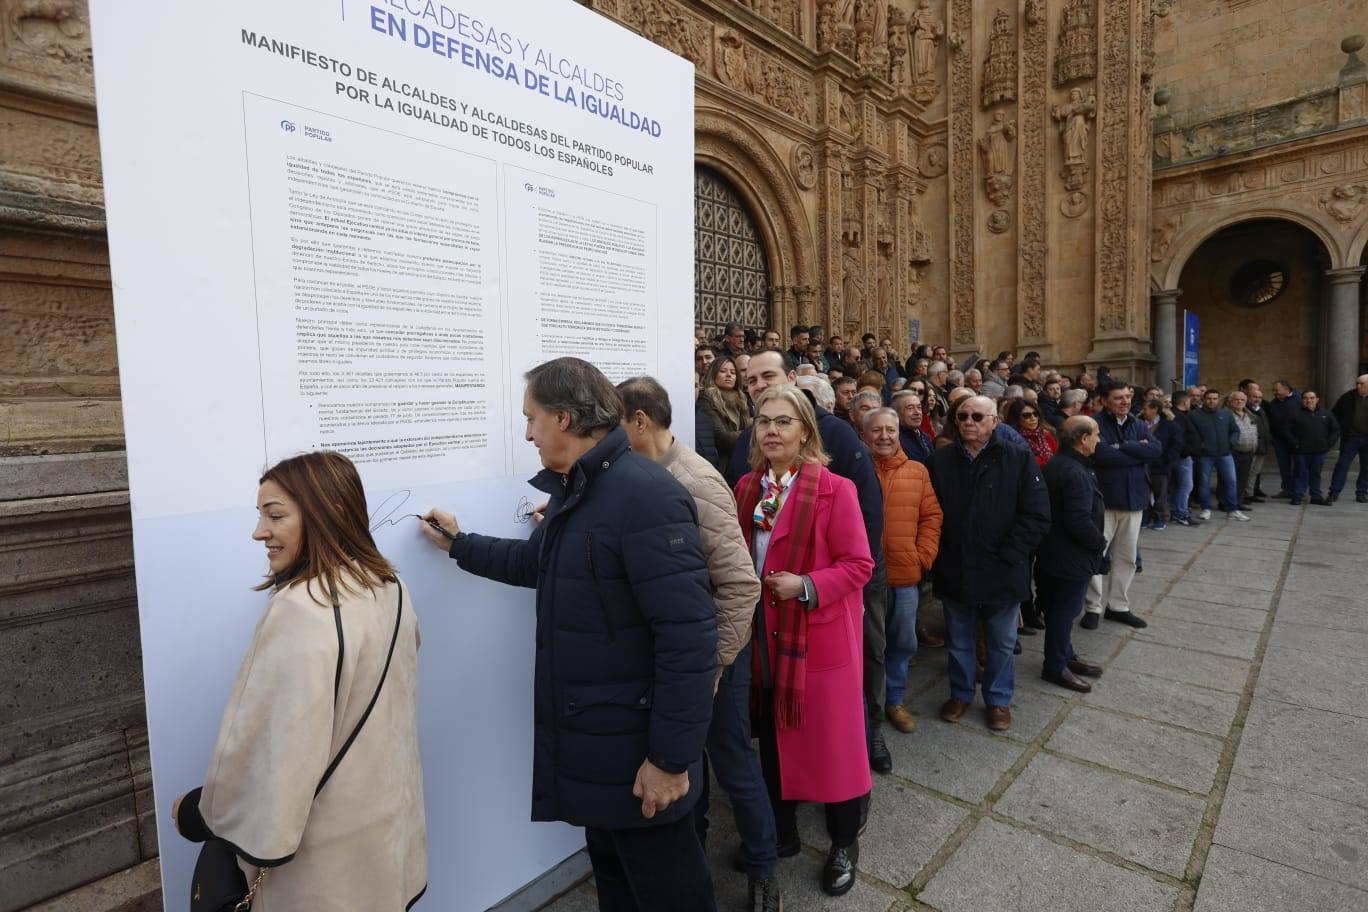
[(996, 148), (852, 282), (925, 31), (897, 46), (1073, 125)]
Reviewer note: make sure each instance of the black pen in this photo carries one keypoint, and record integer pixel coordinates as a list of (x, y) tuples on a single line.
[(433, 523)]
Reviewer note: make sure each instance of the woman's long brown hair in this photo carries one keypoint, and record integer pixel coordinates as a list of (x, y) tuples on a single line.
[(337, 547)]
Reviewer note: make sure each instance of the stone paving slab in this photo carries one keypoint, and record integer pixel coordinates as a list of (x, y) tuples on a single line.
[(1312, 608), (1237, 881), (1030, 714), (1204, 591), (1320, 752), (1150, 825), (1237, 580), (1250, 561), (1210, 613), (954, 760), (1327, 584), (1240, 644), (1332, 683), (1189, 666), (1002, 868), (1296, 634), (1198, 708), (906, 827), (1304, 831), (1278, 545), (1149, 749)]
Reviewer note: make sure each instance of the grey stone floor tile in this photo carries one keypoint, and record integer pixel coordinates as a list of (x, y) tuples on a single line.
[(1145, 823), (1032, 708), (1331, 683), (1320, 752), (1149, 749), (1278, 545), (1237, 882), (1200, 590), (1242, 552), (1192, 707), (1255, 561), (1322, 837), (1248, 619), (1206, 637), (1239, 580), (906, 827), (1290, 633), (1312, 608), (1322, 582), (1205, 669), (987, 875), (952, 759)]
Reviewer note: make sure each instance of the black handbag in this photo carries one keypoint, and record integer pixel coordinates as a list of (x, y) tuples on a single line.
[(219, 884)]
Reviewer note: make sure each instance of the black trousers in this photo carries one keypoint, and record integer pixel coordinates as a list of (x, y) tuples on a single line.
[(842, 817), (651, 869)]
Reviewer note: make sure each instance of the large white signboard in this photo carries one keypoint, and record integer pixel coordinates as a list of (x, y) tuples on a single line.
[(353, 225)]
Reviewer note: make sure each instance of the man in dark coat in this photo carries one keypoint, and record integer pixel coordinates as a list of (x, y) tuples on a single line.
[(1351, 411), (625, 647), (1313, 432), (908, 404), (1219, 433), (1124, 451), (1072, 553), (1187, 456), (996, 511), (1285, 403)]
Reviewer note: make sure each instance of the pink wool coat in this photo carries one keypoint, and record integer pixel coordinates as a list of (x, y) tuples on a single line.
[(826, 760)]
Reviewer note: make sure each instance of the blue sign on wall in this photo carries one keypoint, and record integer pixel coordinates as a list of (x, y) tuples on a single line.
[(1190, 339)]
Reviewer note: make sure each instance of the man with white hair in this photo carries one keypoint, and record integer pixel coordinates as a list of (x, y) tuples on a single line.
[(936, 376), (973, 379), (820, 389), (996, 511), (1351, 411)]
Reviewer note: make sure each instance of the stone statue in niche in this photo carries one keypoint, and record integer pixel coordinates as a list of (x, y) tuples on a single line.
[(925, 32), (827, 19), (885, 290), (850, 119), (852, 281), (1074, 131), (1000, 66), (851, 223), (897, 47), (996, 148)]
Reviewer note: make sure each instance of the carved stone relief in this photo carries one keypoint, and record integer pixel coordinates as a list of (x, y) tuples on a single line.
[(827, 21), (1000, 66), (995, 147), (1345, 202), (672, 28), (804, 163), (737, 66), (1076, 50), (897, 48), (933, 161), (754, 73), (962, 319), (1162, 233), (1074, 132), (924, 31), (1113, 314), (1031, 213), (999, 220)]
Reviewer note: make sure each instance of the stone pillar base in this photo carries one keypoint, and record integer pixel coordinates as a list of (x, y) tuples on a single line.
[(1126, 357)]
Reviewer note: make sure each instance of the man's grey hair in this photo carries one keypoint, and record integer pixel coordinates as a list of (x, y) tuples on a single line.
[(1014, 392), (575, 386), (1074, 397), (821, 390), (806, 370), (955, 377), (936, 367), (902, 394), (881, 410), (866, 395), (973, 372)]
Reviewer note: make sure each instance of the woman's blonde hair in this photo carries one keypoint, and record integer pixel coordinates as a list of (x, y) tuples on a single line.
[(812, 449)]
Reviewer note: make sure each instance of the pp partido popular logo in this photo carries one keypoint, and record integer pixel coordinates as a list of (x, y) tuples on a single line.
[(287, 125)]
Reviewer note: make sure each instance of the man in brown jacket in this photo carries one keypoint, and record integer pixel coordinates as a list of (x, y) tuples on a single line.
[(911, 540), (736, 591)]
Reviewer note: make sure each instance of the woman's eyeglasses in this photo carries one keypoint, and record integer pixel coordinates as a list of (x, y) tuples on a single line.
[(783, 422)]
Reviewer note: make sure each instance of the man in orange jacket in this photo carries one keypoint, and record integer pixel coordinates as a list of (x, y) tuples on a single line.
[(911, 537)]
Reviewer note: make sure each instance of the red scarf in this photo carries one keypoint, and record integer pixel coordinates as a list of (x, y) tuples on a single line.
[(795, 553)]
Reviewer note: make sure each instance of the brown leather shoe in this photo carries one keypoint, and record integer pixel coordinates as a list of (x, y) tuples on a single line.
[(930, 640), (1086, 669), (901, 719), (999, 718), (1066, 678), (953, 709)]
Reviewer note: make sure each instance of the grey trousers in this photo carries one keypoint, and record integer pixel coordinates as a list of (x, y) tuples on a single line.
[(875, 641)]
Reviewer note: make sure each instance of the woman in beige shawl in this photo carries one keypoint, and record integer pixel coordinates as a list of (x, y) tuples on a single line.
[(320, 651)]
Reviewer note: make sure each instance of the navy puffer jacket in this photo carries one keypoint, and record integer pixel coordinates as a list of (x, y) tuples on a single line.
[(626, 634)]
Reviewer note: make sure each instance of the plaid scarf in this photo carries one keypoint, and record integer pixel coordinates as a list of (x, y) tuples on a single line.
[(794, 553)]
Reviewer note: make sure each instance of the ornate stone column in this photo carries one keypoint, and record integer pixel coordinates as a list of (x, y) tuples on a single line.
[(1166, 336), (1342, 330)]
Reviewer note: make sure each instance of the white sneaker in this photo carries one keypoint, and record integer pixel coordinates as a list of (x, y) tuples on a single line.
[(1206, 514), (1237, 515)]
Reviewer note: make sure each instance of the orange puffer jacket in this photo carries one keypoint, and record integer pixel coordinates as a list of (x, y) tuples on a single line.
[(912, 518)]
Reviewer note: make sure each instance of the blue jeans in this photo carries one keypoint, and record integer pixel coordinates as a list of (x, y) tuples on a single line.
[(1307, 471), (1225, 471), (1061, 601), (1182, 487), (1351, 447), (1000, 630), (901, 629), (734, 763), (1283, 451)]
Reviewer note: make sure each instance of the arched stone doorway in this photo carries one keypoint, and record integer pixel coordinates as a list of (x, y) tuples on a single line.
[(731, 269), (1259, 289)]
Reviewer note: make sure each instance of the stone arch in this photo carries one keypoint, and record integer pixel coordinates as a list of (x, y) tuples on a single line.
[(1187, 243), (729, 146), (1358, 247)]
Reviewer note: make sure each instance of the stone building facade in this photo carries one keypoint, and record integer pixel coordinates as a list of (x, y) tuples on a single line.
[(972, 172), (1260, 202)]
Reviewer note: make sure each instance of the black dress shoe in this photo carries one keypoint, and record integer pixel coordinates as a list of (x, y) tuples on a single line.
[(1066, 678), (789, 845), (838, 874), (1320, 501), (1089, 621), (1128, 618), (1361, 498), (1332, 497), (880, 760), (1087, 669), (1026, 631)]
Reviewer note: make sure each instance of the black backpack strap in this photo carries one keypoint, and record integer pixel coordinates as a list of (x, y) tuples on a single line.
[(346, 745)]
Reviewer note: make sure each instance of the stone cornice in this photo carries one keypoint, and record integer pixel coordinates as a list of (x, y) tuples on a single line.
[(1265, 155)]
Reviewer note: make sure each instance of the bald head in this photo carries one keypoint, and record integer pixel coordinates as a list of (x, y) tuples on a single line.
[(1361, 385), (1079, 432)]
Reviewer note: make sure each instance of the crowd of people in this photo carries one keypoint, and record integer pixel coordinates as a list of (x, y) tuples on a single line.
[(762, 588)]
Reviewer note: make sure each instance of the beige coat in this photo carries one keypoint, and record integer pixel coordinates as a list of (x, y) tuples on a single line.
[(735, 587), (362, 843)]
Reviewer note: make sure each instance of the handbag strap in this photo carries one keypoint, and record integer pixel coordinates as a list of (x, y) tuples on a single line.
[(346, 745)]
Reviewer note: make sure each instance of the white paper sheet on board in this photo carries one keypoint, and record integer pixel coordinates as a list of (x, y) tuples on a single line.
[(354, 225)]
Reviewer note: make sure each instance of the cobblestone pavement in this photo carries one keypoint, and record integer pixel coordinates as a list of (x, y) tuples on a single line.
[(1221, 763)]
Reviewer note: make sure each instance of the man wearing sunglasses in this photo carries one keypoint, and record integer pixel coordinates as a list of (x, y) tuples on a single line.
[(996, 511)]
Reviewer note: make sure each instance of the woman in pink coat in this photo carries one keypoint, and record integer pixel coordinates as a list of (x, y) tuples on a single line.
[(808, 541)]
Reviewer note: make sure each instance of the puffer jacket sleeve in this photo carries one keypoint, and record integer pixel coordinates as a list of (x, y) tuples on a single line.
[(663, 554), (505, 560), (929, 519), (735, 587)]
